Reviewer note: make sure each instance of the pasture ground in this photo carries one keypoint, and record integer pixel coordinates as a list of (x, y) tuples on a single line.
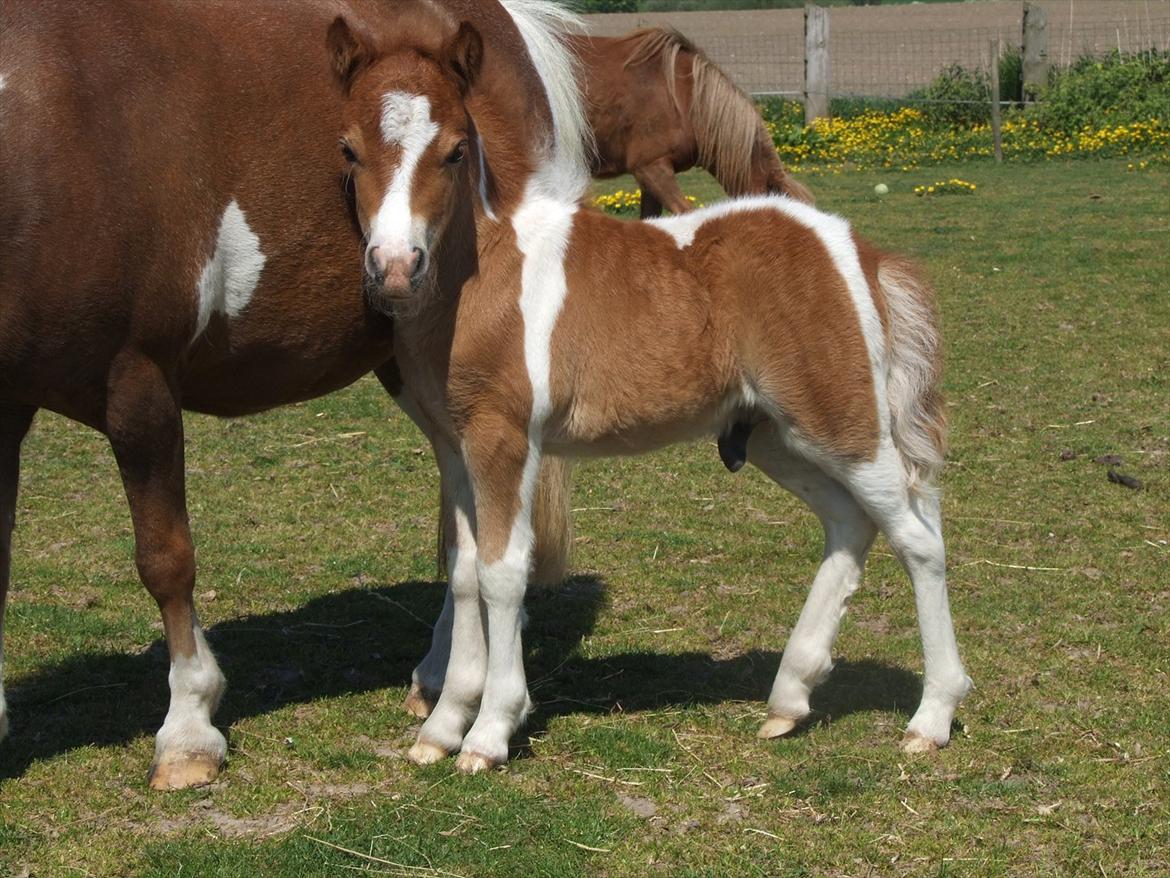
[(650, 667)]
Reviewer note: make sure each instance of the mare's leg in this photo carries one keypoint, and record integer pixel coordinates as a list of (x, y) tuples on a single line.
[(912, 524), (14, 423), (426, 681), (658, 181), (463, 681), (145, 428), (504, 468), (849, 532)]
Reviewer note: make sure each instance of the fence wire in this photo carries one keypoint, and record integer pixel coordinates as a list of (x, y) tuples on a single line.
[(890, 52)]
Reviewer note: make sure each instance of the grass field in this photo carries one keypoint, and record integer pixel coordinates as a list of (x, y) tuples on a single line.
[(315, 534)]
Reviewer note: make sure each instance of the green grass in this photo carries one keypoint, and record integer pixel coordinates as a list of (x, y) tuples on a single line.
[(314, 526)]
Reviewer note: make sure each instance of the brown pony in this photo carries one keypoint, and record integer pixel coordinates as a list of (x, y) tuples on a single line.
[(175, 234), (582, 334), (658, 106)]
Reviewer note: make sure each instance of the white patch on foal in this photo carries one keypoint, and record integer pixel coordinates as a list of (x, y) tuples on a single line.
[(406, 122), (231, 274), (3, 81)]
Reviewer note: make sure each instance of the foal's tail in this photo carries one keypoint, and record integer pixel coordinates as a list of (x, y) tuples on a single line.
[(552, 522), (918, 419)]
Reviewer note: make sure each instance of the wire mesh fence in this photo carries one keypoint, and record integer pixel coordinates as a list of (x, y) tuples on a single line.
[(890, 52)]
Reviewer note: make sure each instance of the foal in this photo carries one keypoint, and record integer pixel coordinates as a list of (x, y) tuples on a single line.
[(581, 334)]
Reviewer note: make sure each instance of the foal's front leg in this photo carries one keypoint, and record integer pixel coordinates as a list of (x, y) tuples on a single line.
[(504, 466), (463, 681)]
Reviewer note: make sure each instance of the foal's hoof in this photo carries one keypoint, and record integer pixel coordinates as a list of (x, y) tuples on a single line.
[(420, 701), (470, 762), (776, 727), (426, 753), (916, 743), (183, 771)]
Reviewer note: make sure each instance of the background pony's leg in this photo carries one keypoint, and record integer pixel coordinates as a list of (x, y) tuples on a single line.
[(912, 524), (657, 180), (145, 428), (463, 682), (849, 533), (504, 466), (14, 423)]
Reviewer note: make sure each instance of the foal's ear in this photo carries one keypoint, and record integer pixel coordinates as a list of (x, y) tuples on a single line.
[(350, 51), (464, 55)]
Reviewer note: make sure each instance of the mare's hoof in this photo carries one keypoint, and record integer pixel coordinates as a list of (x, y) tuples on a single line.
[(420, 701), (470, 762), (425, 752), (916, 743), (184, 771), (776, 727)]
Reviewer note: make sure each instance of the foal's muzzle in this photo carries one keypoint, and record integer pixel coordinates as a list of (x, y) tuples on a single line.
[(396, 273)]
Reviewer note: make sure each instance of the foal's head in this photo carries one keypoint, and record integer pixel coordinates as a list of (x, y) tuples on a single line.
[(407, 142)]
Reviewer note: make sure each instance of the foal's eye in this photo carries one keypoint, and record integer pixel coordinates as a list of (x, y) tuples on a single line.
[(458, 154), (348, 153)]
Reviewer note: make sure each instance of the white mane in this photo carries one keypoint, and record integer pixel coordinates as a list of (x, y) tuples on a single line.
[(544, 24)]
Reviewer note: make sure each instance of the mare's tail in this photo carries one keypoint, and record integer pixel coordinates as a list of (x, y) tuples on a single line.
[(914, 373)]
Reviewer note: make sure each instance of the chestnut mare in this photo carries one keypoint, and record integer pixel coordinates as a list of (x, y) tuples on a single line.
[(582, 334), (658, 106), (174, 235)]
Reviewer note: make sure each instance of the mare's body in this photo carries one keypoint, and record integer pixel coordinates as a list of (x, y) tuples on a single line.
[(658, 106), (175, 234)]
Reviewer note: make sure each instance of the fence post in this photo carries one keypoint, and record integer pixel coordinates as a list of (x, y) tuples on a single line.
[(1035, 62), (996, 128), (816, 63)]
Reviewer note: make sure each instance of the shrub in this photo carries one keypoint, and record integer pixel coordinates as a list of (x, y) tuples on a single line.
[(956, 97), (1114, 90)]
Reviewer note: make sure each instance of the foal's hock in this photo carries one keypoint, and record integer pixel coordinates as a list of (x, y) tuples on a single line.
[(576, 333)]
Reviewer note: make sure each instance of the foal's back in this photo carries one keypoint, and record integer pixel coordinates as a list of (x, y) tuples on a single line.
[(671, 328)]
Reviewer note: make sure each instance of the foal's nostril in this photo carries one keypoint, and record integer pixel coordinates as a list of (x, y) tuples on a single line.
[(374, 266), (420, 261)]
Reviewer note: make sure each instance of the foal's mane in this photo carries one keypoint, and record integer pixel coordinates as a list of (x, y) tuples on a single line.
[(726, 123)]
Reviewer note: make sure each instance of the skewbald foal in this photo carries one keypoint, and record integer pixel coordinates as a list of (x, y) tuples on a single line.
[(577, 333)]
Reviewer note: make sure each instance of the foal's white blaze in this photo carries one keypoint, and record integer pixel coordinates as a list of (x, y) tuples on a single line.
[(231, 274), (407, 123)]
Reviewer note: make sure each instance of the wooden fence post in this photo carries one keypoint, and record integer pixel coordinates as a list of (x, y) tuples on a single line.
[(996, 127), (816, 63), (1035, 62)]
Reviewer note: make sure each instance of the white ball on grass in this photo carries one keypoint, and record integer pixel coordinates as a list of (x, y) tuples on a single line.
[(881, 189)]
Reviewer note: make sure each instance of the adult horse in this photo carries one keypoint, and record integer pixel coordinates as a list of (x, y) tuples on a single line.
[(174, 235), (658, 105), (583, 334)]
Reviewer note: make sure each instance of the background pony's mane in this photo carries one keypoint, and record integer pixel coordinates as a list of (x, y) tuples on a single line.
[(724, 119), (544, 25)]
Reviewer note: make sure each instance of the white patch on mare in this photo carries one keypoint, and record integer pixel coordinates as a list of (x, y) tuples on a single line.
[(406, 122), (196, 685), (834, 233), (3, 81), (231, 274), (483, 179)]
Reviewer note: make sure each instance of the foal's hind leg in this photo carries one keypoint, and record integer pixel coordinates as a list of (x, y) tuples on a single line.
[(912, 524), (14, 423), (849, 532), (145, 428)]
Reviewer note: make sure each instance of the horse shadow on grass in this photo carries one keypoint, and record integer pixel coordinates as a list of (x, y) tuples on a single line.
[(365, 639)]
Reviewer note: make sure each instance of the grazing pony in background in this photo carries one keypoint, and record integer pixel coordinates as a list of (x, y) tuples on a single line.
[(174, 235), (583, 334), (658, 106)]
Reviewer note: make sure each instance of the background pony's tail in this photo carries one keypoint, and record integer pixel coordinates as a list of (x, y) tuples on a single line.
[(914, 373)]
